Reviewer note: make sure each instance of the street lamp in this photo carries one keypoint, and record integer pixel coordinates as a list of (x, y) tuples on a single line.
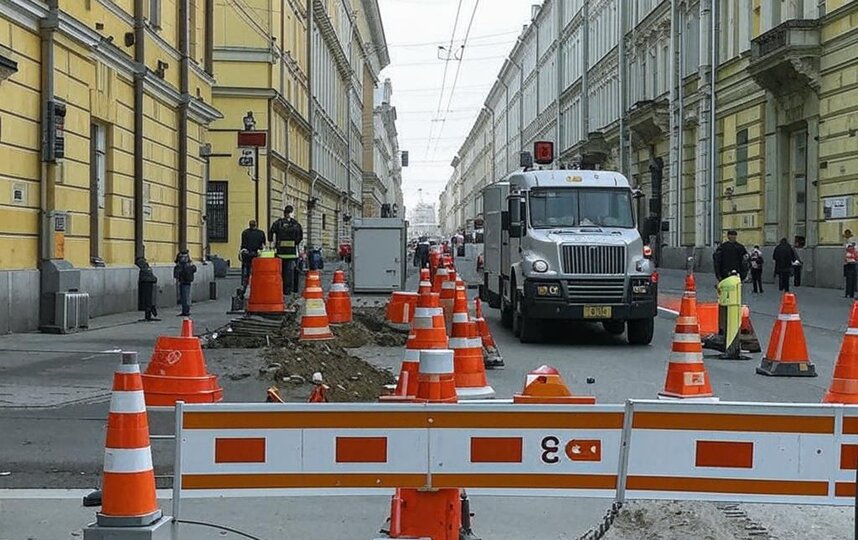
[(249, 121)]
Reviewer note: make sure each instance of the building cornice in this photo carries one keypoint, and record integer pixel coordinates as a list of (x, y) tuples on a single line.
[(243, 54), (26, 13)]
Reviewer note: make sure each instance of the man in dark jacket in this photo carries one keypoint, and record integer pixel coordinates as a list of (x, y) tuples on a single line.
[(286, 233), (183, 273), (146, 281), (731, 256), (252, 242), (784, 257)]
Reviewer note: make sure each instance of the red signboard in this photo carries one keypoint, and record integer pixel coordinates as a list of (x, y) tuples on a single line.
[(253, 138)]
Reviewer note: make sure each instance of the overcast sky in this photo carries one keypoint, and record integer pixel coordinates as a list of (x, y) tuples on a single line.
[(414, 30)]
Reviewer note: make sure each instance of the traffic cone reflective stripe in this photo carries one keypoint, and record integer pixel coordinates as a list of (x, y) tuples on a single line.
[(686, 373), (177, 372), (339, 304), (128, 486), (787, 354), (314, 317), (844, 381)]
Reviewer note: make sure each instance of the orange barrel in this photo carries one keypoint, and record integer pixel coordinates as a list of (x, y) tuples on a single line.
[(266, 286), (400, 309)]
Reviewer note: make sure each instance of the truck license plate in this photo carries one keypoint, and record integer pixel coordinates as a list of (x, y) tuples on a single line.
[(597, 312)]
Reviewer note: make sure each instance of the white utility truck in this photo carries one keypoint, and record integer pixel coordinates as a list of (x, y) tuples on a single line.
[(563, 245)]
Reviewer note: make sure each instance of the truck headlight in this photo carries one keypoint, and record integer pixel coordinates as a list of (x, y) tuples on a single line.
[(540, 266), (548, 290)]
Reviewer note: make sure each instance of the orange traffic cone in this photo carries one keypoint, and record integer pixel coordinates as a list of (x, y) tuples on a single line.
[(177, 372), (314, 318), (491, 354), (318, 393), (128, 486), (844, 383), (427, 332), (425, 281), (747, 334), (266, 287), (436, 380), (339, 304), (545, 385), (686, 374), (448, 297), (471, 381), (787, 353), (439, 279), (400, 308)]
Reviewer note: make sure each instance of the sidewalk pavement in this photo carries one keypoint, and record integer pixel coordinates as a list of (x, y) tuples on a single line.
[(824, 309)]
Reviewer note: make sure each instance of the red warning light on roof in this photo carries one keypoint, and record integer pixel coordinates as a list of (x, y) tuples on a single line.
[(543, 152)]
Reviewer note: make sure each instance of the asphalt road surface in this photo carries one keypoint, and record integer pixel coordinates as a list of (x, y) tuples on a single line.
[(61, 447)]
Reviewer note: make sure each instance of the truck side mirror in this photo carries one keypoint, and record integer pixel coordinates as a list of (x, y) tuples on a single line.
[(514, 217), (515, 230)]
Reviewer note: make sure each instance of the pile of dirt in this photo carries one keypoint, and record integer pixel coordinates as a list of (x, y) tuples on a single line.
[(660, 520), (350, 379)]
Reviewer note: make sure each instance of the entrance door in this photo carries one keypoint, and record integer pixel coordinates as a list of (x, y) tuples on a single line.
[(798, 186)]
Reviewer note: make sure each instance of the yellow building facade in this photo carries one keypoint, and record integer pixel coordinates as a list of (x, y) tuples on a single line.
[(261, 68), (129, 179)]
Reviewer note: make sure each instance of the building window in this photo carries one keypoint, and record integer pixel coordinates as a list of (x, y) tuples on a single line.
[(155, 14), (97, 177), (217, 221), (742, 158), (324, 222)]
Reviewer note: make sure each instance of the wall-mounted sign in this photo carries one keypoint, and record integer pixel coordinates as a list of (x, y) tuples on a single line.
[(247, 158), (836, 207)]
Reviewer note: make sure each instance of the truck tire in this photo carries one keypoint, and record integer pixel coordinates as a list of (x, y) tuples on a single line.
[(506, 315), (640, 331), (615, 328), (525, 328)]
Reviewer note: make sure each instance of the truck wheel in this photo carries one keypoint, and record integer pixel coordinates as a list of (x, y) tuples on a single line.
[(615, 328), (525, 328), (640, 331)]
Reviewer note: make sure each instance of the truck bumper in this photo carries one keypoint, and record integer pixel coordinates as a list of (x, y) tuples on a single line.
[(561, 308)]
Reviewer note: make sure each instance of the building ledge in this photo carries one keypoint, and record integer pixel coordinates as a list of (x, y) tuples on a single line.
[(786, 58), (649, 121)]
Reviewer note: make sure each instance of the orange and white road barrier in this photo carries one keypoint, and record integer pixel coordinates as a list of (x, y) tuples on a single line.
[(128, 485), (844, 382), (339, 303), (787, 354), (491, 354), (266, 287), (687, 377), (471, 381), (177, 372), (314, 317), (545, 385), (400, 308)]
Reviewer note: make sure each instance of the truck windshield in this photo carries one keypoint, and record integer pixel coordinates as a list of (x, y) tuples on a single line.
[(577, 207)]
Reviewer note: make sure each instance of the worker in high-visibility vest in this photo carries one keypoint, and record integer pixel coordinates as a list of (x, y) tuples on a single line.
[(286, 233)]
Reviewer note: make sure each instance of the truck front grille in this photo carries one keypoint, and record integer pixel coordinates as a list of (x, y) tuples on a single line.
[(598, 260), (596, 291)]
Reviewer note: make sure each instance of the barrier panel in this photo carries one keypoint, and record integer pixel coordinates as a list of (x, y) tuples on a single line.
[(737, 452)]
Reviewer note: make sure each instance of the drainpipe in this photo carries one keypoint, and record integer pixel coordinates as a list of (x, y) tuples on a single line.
[(139, 77), (494, 165), (184, 103), (47, 28), (558, 55), (209, 28), (311, 120), (676, 121), (585, 71), (621, 74), (713, 144)]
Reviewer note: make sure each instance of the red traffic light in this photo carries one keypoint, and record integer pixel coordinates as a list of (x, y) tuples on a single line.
[(543, 152)]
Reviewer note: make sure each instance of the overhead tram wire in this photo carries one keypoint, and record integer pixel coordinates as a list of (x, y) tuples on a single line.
[(423, 44), (446, 67), (458, 69)]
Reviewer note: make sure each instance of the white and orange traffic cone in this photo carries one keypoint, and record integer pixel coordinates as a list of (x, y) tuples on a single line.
[(787, 354), (339, 303), (439, 279), (128, 485), (425, 284), (545, 385), (687, 377), (314, 317), (471, 381), (491, 354), (844, 382)]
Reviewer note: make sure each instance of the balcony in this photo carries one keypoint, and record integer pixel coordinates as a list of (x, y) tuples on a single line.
[(649, 121), (786, 58)]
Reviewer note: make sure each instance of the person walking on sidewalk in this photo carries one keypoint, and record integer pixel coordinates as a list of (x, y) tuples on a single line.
[(286, 233), (252, 242), (731, 256), (784, 257), (850, 268), (797, 244), (757, 269), (146, 281), (183, 273)]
